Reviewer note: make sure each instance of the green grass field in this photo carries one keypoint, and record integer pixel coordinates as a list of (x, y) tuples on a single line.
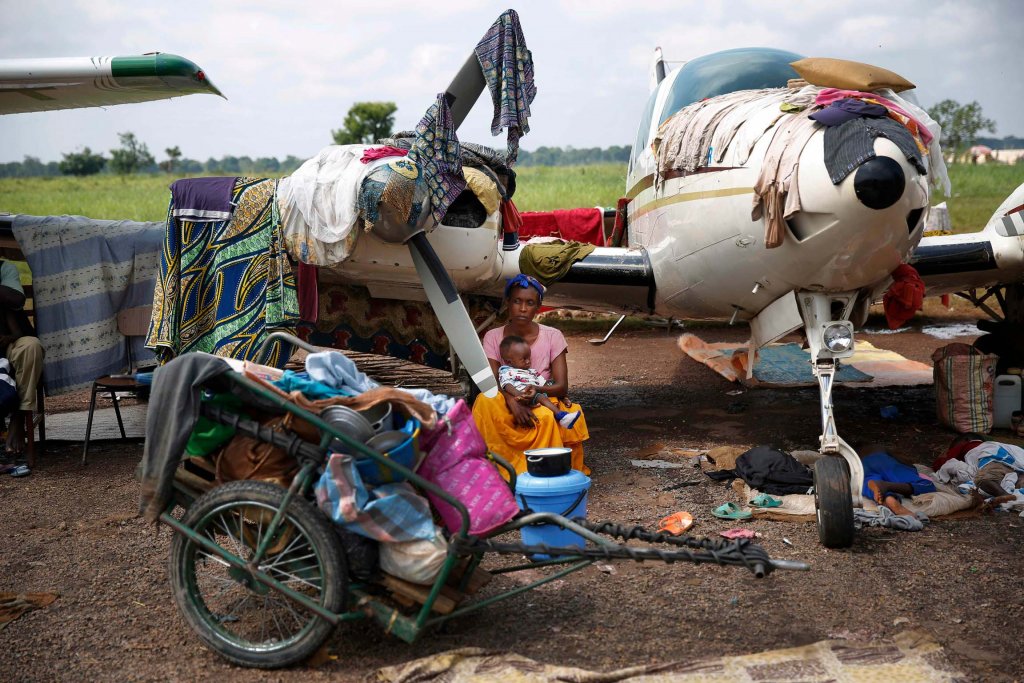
[(977, 191)]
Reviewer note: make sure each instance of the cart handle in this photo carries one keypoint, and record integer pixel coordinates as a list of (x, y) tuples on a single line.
[(284, 337)]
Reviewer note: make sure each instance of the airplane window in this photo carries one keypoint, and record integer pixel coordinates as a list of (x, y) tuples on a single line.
[(745, 68), (643, 133)]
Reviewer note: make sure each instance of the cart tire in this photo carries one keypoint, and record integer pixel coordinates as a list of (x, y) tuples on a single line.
[(243, 620), (833, 502)]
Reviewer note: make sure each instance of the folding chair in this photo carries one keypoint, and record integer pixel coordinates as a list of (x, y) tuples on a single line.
[(131, 322)]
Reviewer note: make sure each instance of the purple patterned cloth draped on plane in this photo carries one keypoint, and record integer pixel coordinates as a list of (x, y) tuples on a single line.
[(508, 69), (437, 151)]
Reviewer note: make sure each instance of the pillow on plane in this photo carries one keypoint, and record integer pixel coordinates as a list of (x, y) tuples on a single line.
[(840, 73)]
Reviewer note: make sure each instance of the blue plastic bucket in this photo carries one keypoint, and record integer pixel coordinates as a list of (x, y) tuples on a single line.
[(565, 495), (405, 453)]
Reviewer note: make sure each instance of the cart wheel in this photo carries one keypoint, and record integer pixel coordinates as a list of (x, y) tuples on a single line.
[(833, 502), (241, 619)]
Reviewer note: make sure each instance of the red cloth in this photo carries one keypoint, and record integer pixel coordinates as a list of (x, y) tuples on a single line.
[(956, 452), (580, 225), (904, 296), (309, 296), (511, 219), (382, 153)]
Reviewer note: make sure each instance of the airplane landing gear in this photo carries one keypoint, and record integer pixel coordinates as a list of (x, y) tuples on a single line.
[(833, 502), (838, 474)]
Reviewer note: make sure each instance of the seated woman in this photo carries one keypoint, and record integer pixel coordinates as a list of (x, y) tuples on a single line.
[(510, 426)]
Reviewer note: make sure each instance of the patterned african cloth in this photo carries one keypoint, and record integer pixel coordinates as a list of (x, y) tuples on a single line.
[(84, 272), (437, 151), (350, 319), (508, 69), (224, 286)]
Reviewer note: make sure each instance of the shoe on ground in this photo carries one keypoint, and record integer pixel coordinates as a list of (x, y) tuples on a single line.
[(21, 471), (567, 420)]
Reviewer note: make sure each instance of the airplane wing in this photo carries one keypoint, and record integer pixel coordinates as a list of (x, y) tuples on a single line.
[(28, 85), (991, 257)]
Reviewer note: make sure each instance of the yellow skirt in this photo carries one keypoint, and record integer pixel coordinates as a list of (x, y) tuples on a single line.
[(509, 440)]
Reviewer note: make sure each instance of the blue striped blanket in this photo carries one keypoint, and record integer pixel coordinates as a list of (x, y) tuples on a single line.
[(83, 272)]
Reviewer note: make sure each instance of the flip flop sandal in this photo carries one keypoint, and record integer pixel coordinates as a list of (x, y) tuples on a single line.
[(676, 524), (763, 500), (730, 511), (21, 471)]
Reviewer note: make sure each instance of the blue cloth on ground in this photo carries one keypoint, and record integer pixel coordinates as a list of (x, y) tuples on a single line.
[(790, 364), (880, 466)]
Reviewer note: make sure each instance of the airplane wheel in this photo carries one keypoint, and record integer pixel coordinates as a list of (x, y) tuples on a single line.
[(833, 502)]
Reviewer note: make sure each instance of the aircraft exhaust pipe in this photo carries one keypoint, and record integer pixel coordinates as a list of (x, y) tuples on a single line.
[(609, 266)]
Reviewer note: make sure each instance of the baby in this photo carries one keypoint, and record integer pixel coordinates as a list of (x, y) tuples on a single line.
[(519, 380)]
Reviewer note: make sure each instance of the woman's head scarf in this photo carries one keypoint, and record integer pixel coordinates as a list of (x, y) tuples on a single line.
[(524, 282)]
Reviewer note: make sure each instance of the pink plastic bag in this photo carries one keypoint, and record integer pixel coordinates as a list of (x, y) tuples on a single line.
[(456, 462)]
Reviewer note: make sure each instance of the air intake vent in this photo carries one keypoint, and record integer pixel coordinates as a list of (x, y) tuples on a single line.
[(913, 218)]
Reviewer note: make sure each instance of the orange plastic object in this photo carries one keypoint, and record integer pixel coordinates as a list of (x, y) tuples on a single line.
[(676, 523)]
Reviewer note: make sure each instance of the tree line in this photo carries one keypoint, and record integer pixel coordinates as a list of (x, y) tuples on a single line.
[(367, 122)]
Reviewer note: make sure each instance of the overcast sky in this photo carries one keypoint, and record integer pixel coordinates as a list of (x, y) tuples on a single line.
[(291, 70)]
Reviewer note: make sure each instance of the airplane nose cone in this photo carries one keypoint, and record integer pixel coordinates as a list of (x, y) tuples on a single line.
[(879, 182)]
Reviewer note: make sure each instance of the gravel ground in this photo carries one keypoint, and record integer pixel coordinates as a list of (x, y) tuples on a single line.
[(73, 530)]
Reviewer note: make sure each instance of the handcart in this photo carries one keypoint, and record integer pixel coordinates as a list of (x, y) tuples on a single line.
[(261, 575)]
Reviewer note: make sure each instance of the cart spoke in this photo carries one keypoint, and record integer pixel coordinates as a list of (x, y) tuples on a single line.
[(295, 579)]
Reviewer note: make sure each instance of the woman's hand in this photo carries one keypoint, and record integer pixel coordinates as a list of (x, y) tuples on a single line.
[(522, 416)]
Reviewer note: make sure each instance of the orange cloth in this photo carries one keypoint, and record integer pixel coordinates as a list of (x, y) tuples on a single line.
[(904, 297), (503, 437)]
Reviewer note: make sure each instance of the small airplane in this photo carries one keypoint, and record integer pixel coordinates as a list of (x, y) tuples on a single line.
[(694, 250)]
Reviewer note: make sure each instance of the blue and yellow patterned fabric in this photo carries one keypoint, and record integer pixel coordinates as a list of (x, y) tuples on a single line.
[(224, 286)]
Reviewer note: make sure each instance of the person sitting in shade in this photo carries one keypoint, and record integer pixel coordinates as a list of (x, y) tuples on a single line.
[(23, 349), (508, 426)]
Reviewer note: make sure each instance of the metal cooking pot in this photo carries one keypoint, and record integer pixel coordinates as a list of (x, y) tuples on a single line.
[(548, 462)]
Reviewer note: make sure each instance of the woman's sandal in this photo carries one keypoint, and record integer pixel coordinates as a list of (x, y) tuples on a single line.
[(763, 500), (730, 511)]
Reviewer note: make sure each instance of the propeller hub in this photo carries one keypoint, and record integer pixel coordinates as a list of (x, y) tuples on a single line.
[(879, 183)]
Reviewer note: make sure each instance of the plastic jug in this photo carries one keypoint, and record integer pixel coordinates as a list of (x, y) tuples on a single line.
[(1005, 399)]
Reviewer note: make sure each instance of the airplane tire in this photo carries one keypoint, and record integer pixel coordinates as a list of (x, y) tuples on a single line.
[(833, 502)]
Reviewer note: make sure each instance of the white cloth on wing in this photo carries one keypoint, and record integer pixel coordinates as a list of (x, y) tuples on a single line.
[(937, 174), (319, 204)]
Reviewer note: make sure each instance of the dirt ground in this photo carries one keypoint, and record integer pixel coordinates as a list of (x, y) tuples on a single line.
[(73, 530)]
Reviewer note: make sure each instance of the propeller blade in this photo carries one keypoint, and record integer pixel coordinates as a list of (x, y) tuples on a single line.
[(464, 90), (452, 314)]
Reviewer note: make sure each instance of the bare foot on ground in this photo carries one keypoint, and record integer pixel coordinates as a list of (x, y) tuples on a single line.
[(878, 490), (893, 503)]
